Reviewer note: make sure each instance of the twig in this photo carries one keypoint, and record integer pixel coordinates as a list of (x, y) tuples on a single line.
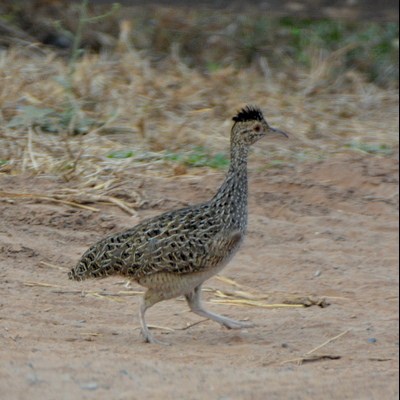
[(251, 303), (30, 283), (54, 266), (65, 291), (328, 341), (45, 198), (105, 297), (227, 280), (30, 139), (76, 196), (78, 36), (191, 325), (164, 328), (239, 294), (115, 201), (314, 357)]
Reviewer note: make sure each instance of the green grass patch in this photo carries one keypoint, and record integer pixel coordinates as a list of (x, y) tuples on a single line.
[(200, 157), (375, 148), (120, 154)]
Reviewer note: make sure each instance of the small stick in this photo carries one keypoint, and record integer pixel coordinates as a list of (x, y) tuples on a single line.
[(191, 325), (54, 266), (45, 198), (105, 297), (127, 293), (315, 357), (310, 357), (90, 333), (227, 280), (30, 283), (250, 303), (104, 198), (65, 291), (164, 328), (329, 341), (14, 337)]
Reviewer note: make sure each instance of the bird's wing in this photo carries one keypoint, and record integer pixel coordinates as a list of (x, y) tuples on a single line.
[(188, 252)]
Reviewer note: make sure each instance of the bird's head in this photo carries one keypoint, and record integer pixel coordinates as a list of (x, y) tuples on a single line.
[(250, 126)]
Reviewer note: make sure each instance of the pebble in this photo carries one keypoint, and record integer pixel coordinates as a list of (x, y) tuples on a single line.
[(339, 238), (318, 273), (372, 340), (33, 379), (89, 386)]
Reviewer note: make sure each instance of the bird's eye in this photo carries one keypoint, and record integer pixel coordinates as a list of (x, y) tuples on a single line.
[(257, 128)]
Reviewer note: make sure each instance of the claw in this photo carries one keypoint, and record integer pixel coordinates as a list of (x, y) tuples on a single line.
[(148, 338)]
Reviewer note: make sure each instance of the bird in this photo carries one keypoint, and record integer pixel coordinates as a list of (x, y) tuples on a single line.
[(174, 253)]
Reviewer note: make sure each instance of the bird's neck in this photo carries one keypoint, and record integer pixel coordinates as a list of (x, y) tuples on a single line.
[(233, 193)]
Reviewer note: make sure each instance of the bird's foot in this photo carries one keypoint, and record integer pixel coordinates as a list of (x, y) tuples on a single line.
[(148, 338), (230, 324)]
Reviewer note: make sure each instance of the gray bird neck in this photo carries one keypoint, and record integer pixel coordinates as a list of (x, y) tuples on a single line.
[(233, 193)]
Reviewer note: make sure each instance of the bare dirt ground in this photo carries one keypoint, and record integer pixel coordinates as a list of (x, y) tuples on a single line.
[(328, 229)]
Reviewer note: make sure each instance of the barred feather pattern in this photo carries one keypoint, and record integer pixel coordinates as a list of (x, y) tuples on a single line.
[(179, 242), (190, 240)]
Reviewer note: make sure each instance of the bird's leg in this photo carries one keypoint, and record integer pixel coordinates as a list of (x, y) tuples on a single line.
[(149, 299), (195, 304)]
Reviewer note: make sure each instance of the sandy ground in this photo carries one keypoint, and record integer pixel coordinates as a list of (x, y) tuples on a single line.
[(328, 229)]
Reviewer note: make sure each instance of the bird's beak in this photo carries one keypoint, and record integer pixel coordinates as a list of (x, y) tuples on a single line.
[(278, 131)]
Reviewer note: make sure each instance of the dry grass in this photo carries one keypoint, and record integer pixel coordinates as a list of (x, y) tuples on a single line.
[(141, 113)]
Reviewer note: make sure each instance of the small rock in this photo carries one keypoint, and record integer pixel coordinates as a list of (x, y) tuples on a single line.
[(372, 340), (336, 267), (89, 386), (108, 225), (339, 238), (106, 217), (33, 379), (318, 273)]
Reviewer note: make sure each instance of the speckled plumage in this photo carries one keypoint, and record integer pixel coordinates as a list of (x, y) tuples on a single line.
[(174, 253)]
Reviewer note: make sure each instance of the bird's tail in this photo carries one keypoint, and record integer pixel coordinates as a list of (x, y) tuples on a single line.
[(95, 263)]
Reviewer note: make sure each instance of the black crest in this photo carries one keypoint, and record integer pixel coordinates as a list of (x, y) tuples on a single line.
[(249, 113)]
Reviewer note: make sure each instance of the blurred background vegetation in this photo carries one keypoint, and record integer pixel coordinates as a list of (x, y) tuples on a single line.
[(147, 81), (209, 39)]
